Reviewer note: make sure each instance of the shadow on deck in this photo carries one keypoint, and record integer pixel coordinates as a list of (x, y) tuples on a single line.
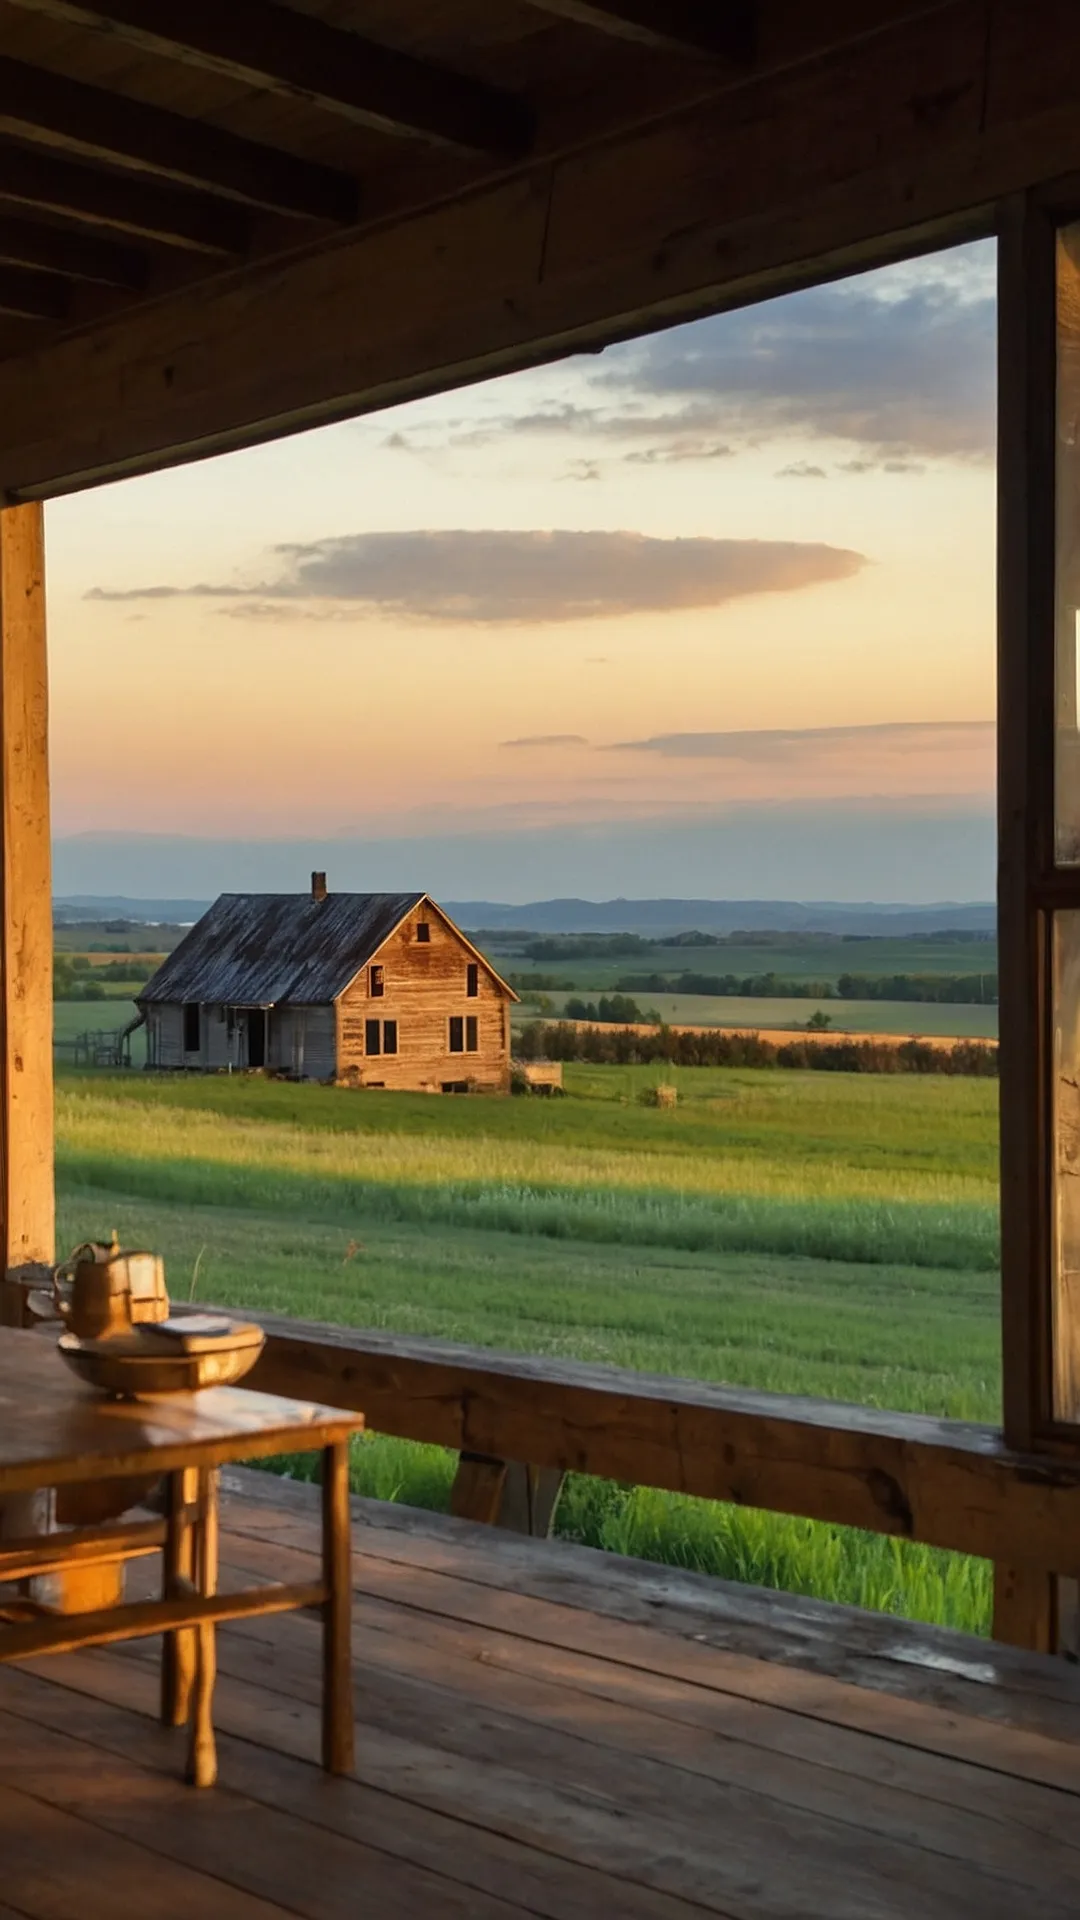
[(545, 1730)]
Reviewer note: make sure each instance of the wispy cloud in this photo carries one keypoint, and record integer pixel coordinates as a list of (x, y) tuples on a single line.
[(528, 577), (790, 746), (899, 365), (547, 740)]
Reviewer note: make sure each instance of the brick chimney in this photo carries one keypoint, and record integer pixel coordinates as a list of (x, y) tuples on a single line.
[(318, 886)]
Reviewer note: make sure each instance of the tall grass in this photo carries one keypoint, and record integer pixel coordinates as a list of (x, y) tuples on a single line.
[(875, 1571)]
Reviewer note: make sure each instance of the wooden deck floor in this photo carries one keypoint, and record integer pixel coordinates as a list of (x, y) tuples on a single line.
[(542, 1730)]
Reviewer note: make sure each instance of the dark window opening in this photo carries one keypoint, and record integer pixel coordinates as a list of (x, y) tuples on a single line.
[(192, 1029), (472, 980), (256, 1037), (472, 1033), (455, 1086), (372, 1036), (389, 1036), (457, 1034), (376, 982), (423, 930)]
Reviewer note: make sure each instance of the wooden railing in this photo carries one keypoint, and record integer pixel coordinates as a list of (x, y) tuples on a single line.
[(520, 1423)]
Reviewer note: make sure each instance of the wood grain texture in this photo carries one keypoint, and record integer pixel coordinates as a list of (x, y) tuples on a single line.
[(278, 50), (944, 1482), (571, 1734), (56, 1432), (94, 123), (26, 1074), (425, 985), (773, 184)]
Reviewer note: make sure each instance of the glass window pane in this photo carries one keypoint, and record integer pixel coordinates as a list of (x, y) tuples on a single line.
[(1066, 1164), (1067, 763)]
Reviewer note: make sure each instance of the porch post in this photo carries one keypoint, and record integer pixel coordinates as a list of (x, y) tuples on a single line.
[(27, 1220), (1038, 899)]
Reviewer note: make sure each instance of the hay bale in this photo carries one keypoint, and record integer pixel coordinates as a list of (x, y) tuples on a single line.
[(662, 1096)]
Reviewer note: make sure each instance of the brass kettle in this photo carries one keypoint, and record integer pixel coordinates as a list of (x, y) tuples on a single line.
[(101, 1291)]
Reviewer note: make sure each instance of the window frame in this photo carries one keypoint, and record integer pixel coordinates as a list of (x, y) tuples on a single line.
[(376, 982), (472, 980), (373, 1031), (455, 1020), (192, 1010)]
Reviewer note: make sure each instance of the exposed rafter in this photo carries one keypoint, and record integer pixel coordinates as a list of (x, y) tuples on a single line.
[(722, 29), (32, 296), (281, 51), (78, 256), (90, 122), (161, 213)]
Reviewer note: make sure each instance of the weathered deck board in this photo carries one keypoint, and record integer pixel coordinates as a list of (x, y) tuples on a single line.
[(579, 1736)]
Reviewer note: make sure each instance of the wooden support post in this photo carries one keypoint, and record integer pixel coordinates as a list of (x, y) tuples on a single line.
[(202, 1757), (1025, 1598), (506, 1493), (26, 1088), (26, 1075), (178, 1648), (337, 1725), (1032, 1608)]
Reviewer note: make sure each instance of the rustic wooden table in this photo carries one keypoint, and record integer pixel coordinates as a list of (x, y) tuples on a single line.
[(55, 1432)]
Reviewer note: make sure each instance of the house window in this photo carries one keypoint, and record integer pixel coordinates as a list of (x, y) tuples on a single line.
[(472, 1036), (457, 1033), (372, 1037), (472, 980), (423, 931), (376, 982), (389, 1036), (192, 1028)]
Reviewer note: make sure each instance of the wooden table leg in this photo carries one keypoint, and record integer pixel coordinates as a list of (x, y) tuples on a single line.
[(337, 1723), (202, 1762), (178, 1651)]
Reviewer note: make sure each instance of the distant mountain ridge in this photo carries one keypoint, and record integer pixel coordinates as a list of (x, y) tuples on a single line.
[(625, 916)]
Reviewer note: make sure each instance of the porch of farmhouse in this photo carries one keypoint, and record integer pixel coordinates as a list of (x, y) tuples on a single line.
[(220, 224)]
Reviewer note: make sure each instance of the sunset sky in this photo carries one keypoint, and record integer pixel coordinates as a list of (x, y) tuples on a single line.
[(708, 614)]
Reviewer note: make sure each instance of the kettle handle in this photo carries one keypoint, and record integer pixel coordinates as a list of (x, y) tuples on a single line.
[(66, 1271)]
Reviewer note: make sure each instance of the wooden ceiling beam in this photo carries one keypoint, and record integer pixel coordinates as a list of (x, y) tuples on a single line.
[(165, 214), (284, 52), (77, 256), (99, 125), (33, 296), (720, 29), (704, 211)]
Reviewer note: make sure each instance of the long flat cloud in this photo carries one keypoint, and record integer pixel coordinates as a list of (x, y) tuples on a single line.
[(781, 746), (529, 576)]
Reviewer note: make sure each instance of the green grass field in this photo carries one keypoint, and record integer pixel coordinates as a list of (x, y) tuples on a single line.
[(824, 1234), (797, 960), (914, 1018)]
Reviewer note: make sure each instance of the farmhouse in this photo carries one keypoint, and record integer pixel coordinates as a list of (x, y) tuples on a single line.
[(380, 989)]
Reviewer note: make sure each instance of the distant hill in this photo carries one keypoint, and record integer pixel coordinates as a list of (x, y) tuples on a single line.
[(723, 916), (98, 907), (620, 916)]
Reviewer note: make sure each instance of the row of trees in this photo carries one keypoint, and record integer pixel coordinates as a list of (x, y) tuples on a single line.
[(966, 989), (615, 1046), (75, 978)]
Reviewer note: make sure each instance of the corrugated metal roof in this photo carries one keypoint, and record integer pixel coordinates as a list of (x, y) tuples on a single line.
[(265, 949)]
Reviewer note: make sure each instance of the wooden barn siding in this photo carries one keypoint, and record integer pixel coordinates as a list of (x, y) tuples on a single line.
[(303, 1041), (425, 984), (165, 1036)]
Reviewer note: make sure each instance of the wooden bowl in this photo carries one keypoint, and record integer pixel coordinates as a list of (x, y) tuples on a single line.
[(118, 1366)]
